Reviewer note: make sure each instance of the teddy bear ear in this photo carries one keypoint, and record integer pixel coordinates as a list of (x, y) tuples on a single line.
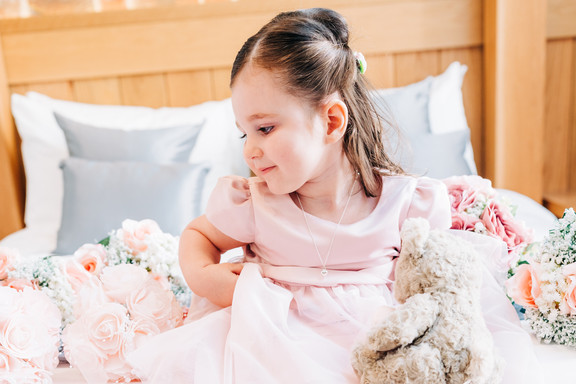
[(415, 232)]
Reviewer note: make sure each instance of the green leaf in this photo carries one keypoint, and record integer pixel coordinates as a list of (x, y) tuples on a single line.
[(105, 241)]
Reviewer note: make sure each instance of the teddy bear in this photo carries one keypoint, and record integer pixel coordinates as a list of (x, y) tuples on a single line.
[(437, 333)]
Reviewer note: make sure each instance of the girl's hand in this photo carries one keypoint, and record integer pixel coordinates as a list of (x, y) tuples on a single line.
[(218, 282)]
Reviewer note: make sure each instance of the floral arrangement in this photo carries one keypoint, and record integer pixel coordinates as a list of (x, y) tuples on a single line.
[(108, 297), (477, 207), (143, 243), (116, 311), (29, 336), (544, 283)]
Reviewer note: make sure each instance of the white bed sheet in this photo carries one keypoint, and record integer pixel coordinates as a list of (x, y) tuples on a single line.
[(557, 361)]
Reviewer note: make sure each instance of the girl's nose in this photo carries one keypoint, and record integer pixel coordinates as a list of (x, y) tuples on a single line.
[(252, 150)]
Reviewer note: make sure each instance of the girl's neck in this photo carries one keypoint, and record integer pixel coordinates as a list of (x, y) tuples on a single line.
[(326, 195)]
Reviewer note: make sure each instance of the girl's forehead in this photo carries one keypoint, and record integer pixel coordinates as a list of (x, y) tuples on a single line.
[(256, 87)]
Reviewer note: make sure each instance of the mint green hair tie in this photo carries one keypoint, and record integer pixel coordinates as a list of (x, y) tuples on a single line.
[(361, 62)]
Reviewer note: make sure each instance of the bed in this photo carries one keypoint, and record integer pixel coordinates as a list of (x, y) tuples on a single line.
[(493, 80)]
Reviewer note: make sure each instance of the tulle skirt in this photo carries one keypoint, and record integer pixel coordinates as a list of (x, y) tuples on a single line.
[(291, 332)]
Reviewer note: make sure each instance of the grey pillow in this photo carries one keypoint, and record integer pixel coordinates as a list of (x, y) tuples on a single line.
[(417, 149), (164, 145), (99, 195)]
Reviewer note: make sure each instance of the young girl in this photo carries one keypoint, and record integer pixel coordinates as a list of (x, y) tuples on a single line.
[(319, 223)]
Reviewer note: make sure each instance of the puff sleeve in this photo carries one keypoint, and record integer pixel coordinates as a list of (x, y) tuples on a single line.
[(430, 201), (230, 208)]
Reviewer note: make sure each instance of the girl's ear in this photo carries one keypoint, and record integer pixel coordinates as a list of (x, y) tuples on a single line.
[(336, 119)]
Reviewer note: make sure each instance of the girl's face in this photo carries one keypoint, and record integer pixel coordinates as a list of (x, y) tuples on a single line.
[(285, 138)]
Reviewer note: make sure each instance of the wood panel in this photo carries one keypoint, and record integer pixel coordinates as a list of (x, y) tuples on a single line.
[(147, 90), (561, 18), (98, 91), (381, 70), (415, 66), (221, 83), (572, 124), (189, 88), (58, 90), (93, 52), (558, 116), (514, 54)]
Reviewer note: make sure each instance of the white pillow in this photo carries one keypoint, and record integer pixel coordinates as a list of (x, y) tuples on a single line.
[(44, 145), (430, 115)]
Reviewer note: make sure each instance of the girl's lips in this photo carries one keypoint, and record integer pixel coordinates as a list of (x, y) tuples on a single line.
[(266, 170)]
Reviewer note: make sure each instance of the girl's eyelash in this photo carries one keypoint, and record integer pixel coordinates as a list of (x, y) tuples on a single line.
[(243, 136), (266, 129)]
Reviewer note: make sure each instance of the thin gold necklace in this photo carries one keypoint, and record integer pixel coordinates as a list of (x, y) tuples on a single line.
[(323, 261)]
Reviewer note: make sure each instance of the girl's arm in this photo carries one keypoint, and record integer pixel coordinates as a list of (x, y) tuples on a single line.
[(201, 246)]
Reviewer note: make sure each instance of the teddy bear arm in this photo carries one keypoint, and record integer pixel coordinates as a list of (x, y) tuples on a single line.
[(408, 322)]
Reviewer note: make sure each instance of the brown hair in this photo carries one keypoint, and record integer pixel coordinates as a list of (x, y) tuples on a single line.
[(309, 50)]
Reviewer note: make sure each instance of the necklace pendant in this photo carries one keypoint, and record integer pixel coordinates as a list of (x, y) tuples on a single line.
[(324, 272)]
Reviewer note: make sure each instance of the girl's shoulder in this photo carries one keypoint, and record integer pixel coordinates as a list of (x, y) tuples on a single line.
[(412, 181)]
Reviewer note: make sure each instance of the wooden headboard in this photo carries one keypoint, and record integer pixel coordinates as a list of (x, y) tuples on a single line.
[(517, 83)]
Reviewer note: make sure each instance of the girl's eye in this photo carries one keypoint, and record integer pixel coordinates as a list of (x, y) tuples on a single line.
[(242, 137), (266, 130)]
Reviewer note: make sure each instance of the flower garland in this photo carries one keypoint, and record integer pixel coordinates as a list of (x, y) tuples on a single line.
[(115, 313), (477, 207), (544, 284), (107, 298), (29, 336)]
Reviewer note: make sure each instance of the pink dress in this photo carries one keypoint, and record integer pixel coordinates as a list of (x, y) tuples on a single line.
[(288, 323)]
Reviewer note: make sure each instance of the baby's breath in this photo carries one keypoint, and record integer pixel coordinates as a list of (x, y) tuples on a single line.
[(549, 321)]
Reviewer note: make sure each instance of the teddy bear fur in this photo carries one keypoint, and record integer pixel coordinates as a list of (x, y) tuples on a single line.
[(437, 333)]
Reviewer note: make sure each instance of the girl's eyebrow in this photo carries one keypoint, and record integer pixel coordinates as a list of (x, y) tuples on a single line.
[(257, 116)]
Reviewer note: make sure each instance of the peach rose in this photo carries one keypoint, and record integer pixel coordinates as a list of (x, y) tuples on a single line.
[(568, 303), (135, 233), (19, 284), (76, 274), (524, 286), (119, 281), (8, 258), (92, 257), (154, 302)]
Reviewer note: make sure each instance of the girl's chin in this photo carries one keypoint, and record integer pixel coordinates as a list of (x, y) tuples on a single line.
[(277, 188)]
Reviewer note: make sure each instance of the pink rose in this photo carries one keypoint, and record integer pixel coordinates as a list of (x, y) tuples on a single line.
[(524, 286), (31, 330), (500, 223), (119, 281), (90, 295), (464, 222), (82, 354), (106, 328), (98, 341), (135, 233), (568, 304), (154, 302), (463, 191), (143, 329), (8, 258), (92, 257)]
